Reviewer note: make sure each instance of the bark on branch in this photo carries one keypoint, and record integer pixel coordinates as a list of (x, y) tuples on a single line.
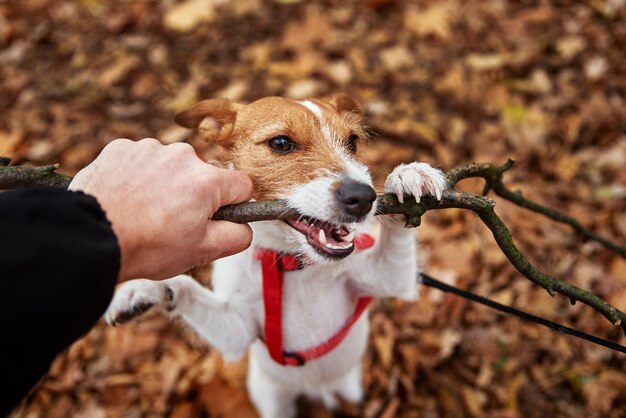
[(16, 177), (23, 176), (493, 181)]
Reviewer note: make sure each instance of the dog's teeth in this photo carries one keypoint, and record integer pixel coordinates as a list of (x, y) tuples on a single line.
[(349, 237), (337, 247), (322, 237)]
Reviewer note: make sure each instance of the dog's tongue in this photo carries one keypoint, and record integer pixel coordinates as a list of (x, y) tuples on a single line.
[(332, 240), (341, 234)]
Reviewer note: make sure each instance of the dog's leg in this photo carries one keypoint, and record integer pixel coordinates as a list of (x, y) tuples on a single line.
[(225, 325), (270, 399), (351, 387), (391, 269)]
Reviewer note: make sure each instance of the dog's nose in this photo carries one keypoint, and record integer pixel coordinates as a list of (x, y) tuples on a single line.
[(356, 198)]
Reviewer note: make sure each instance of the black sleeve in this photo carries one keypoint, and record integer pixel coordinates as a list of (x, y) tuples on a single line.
[(59, 261)]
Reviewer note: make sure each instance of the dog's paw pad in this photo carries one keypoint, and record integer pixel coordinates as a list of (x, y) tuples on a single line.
[(417, 180), (135, 311), (134, 298)]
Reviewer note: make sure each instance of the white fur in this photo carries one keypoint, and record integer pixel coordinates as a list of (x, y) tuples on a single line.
[(317, 301), (324, 126), (315, 109)]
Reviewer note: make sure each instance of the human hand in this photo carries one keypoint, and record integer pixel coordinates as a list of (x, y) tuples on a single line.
[(159, 200)]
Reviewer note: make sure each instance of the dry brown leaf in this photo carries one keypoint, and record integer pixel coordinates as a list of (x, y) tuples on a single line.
[(187, 15), (117, 70), (183, 410), (485, 62), (434, 20), (9, 142), (391, 408), (397, 58), (601, 392), (226, 401), (570, 46), (474, 399), (308, 33), (384, 345)]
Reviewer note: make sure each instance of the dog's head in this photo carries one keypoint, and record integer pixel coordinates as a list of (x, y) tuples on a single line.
[(302, 152)]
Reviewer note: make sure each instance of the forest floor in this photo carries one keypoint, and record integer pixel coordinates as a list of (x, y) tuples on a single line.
[(446, 82)]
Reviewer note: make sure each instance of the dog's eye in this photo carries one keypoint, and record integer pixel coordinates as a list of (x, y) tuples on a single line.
[(282, 144), (351, 142)]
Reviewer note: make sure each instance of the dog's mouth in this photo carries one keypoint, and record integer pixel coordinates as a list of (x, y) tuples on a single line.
[(334, 241)]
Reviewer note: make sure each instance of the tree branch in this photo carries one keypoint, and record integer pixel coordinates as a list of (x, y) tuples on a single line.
[(13, 177), (493, 181)]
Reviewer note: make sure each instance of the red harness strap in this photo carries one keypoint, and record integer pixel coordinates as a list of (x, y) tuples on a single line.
[(273, 265)]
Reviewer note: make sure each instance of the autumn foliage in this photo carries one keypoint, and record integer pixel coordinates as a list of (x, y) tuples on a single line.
[(446, 82)]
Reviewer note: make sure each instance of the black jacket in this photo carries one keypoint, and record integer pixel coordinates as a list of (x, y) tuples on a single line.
[(59, 261)]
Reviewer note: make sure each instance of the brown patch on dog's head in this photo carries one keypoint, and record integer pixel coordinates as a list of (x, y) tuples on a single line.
[(319, 128)]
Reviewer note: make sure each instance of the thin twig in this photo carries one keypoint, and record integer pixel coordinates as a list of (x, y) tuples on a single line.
[(493, 181), (388, 204)]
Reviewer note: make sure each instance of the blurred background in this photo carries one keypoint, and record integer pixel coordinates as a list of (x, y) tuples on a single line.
[(446, 82)]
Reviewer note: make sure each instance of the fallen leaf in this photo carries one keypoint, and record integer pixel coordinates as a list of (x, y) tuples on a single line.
[(384, 345), (187, 15), (303, 89), (485, 62), (116, 71), (570, 46), (9, 142), (434, 20)]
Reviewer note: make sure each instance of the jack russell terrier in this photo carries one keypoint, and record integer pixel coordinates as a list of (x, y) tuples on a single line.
[(295, 299)]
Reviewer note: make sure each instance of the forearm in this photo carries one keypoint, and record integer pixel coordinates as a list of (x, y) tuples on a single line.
[(59, 263)]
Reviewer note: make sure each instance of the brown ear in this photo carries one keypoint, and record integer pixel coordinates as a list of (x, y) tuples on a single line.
[(214, 119), (343, 103)]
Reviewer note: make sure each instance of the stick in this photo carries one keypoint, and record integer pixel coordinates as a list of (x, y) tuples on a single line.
[(24, 176), (493, 181)]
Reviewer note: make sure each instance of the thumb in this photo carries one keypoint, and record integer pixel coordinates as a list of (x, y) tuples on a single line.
[(225, 238)]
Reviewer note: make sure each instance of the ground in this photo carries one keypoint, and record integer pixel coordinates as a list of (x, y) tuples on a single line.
[(446, 82)]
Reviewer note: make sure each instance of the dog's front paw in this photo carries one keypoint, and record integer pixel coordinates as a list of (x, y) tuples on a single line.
[(136, 297), (417, 180)]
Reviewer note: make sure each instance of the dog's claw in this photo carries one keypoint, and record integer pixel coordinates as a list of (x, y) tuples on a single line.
[(416, 179), (136, 310), (169, 299)]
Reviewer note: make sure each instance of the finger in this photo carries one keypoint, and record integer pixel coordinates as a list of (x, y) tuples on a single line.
[(149, 142), (183, 148), (234, 186), (118, 143), (225, 238)]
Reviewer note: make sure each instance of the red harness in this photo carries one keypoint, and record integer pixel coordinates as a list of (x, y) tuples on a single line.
[(273, 265)]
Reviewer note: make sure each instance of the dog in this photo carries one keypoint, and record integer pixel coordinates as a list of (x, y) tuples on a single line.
[(295, 300)]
